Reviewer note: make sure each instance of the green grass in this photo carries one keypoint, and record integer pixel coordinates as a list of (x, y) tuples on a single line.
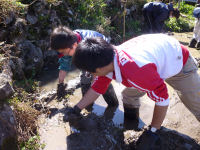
[(32, 144)]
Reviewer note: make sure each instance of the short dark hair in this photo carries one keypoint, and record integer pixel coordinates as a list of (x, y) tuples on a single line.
[(176, 13), (62, 37), (93, 53)]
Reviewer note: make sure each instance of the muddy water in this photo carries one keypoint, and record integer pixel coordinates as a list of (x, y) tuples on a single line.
[(49, 78)]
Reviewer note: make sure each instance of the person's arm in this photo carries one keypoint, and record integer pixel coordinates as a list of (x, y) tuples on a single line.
[(158, 116), (62, 75), (99, 86), (88, 99), (64, 66)]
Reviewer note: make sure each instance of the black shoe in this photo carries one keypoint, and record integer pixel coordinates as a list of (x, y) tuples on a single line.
[(192, 44), (198, 46)]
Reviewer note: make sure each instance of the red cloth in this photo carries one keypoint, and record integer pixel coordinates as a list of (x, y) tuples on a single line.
[(185, 53), (78, 37), (60, 55)]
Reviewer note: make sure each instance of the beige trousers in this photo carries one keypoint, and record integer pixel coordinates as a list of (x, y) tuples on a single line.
[(186, 83)]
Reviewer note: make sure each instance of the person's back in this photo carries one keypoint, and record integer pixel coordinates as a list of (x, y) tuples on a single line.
[(156, 7), (159, 49), (90, 33)]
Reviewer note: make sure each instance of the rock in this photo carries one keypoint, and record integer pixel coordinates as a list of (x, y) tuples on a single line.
[(32, 19), (8, 131), (70, 12), (3, 35), (18, 31), (133, 8), (39, 6), (32, 57), (43, 44), (128, 11), (6, 89), (55, 21), (70, 19), (17, 67), (10, 18), (50, 57)]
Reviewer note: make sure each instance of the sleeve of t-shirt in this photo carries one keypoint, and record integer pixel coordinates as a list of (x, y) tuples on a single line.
[(100, 84), (148, 80), (65, 63)]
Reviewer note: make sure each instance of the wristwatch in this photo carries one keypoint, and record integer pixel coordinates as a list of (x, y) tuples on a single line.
[(153, 129)]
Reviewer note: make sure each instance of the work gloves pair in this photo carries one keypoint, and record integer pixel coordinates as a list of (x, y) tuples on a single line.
[(149, 140), (61, 90)]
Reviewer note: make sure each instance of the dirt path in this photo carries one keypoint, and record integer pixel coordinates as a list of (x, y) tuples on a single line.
[(104, 131)]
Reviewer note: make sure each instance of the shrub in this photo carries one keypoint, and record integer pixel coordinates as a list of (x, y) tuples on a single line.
[(186, 8), (179, 25), (183, 24)]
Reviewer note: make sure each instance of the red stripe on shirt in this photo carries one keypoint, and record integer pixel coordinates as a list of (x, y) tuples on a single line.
[(185, 53)]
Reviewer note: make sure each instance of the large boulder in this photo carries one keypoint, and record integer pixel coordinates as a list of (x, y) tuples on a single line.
[(8, 132), (32, 57)]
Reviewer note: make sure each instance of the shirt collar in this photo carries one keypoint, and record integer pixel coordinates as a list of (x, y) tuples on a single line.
[(117, 69)]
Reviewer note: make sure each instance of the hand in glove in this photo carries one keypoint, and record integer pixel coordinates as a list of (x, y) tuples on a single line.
[(61, 90), (72, 114), (148, 140), (76, 120)]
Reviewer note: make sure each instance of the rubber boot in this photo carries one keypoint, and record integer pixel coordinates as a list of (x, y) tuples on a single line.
[(110, 112), (110, 97), (131, 113), (131, 118), (192, 43), (198, 46)]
